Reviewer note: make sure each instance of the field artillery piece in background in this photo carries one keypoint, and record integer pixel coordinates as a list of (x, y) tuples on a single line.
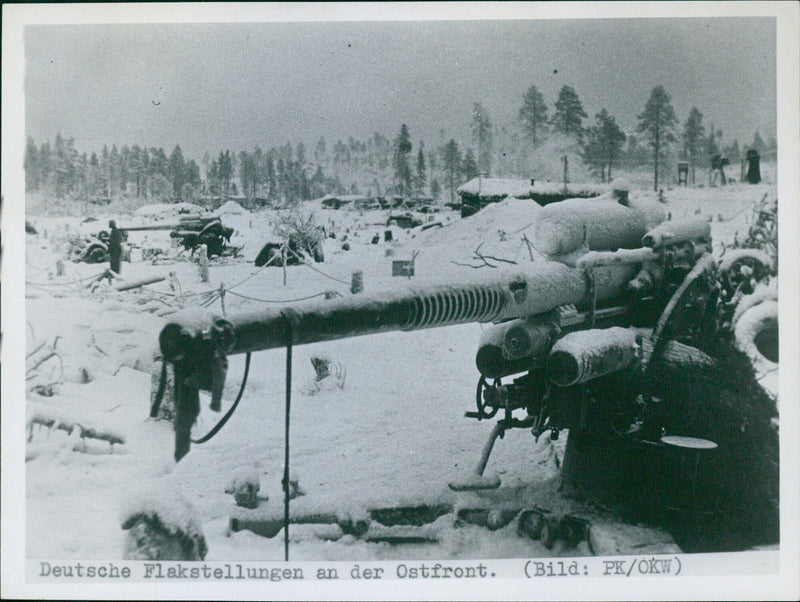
[(208, 231), (193, 231), (597, 344)]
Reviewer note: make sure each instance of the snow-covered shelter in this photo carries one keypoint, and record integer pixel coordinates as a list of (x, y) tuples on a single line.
[(481, 191), (331, 201)]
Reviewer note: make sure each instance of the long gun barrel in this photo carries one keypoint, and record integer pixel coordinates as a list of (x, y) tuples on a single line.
[(149, 228), (538, 290)]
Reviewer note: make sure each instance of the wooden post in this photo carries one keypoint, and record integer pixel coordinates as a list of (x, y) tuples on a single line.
[(222, 296), (283, 261), (357, 282), (203, 263)]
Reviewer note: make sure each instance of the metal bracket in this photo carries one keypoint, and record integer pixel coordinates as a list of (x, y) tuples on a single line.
[(591, 295)]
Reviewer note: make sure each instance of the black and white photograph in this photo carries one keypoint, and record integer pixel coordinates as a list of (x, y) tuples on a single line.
[(449, 301)]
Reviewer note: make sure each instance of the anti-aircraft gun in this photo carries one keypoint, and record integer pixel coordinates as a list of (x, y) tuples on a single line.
[(578, 337)]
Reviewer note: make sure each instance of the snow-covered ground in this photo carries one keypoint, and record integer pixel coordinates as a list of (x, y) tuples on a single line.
[(393, 435)]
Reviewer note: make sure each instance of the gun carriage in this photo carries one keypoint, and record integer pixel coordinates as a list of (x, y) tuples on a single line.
[(193, 231)]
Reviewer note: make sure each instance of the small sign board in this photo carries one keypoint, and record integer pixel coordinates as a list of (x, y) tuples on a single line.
[(403, 267)]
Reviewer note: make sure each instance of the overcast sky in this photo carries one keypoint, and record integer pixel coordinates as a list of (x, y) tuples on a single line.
[(213, 86)]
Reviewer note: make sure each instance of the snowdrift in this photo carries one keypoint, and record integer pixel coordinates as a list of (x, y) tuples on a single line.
[(231, 208)]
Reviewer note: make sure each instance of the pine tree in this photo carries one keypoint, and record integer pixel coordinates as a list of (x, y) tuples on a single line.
[(115, 170), (402, 171), (693, 136), (225, 166), (568, 116), (421, 177), (436, 189), (451, 157), (32, 166), (46, 164), (272, 183), (657, 123), (533, 115), (248, 174), (61, 166), (175, 171), (95, 177), (482, 134), (604, 144), (145, 178), (469, 168), (320, 150)]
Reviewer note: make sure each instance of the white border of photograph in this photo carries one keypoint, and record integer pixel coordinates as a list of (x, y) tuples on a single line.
[(715, 576)]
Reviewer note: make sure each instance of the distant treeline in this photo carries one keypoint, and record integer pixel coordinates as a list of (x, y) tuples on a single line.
[(379, 165)]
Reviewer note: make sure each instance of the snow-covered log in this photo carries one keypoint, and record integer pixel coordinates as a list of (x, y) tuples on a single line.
[(603, 224), (587, 354), (669, 233), (131, 284), (50, 417)]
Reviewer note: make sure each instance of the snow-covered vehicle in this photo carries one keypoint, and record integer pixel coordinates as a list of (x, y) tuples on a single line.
[(404, 220)]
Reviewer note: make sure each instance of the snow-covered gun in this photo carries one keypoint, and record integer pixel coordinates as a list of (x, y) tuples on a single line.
[(192, 231), (574, 333)]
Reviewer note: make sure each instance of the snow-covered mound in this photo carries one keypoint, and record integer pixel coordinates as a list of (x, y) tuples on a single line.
[(231, 208), (500, 229), (96, 338)]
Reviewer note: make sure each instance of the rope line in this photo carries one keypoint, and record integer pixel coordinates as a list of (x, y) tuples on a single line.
[(303, 261), (73, 282), (258, 271), (274, 300), (324, 274)]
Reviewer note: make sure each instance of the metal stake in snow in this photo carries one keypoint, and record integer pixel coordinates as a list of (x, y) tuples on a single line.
[(286, 438)]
